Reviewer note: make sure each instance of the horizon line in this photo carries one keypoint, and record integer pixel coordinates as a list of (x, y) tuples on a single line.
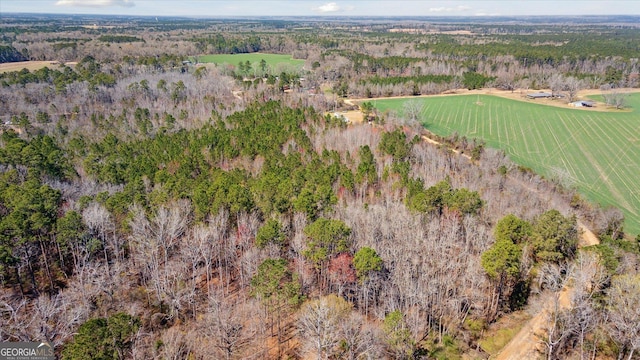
[(327, 16)]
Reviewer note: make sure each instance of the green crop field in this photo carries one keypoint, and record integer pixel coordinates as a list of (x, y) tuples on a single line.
[(275, 62), (597, 152)]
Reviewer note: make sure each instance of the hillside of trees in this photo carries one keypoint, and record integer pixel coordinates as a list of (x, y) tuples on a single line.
[(151, 208), (10, 54)]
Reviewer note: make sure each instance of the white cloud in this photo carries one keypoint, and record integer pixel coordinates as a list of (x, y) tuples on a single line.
[(482, 13), (459, 8), (95, 3), (328, 8)]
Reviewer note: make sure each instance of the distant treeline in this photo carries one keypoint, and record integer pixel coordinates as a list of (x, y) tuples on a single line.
[(219, 44), (376, 64), (548, 49), (119, 38), (396, 80)]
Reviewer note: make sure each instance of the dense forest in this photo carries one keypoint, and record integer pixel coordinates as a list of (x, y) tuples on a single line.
[(153, 207)]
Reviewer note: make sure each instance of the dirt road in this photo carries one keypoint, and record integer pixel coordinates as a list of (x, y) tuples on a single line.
[(527, 343), (519, 94)]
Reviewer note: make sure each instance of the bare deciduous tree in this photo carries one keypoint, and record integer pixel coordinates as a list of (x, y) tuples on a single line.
[(556, 83), (412, 110), (614, 96), (228, 325), (589, 278), (318, 323), (359, 339), (174, 345), (624, 312), (558, 326), (100, 224), (153, 244), (572, 86)]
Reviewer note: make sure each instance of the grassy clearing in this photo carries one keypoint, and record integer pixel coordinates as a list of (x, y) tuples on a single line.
[(493, 344), (499, 334), (274, 61), (30, 65), (596, 152)]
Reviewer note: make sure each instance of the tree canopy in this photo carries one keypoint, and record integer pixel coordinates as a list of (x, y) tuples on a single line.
[(327, 237)]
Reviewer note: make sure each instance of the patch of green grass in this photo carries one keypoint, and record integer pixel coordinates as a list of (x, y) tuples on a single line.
[(276, 63), (498, 335), (493, 344), (446, 350), (596, 152)]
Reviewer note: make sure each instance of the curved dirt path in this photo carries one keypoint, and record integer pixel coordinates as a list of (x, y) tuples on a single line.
[(518, 94), (587, 238), (526, 344)]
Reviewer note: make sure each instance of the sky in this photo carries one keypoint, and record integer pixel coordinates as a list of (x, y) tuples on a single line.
[(215, 8)]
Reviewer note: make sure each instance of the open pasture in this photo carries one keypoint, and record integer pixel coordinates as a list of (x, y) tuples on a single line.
[(274, 61), (30, 65), (597, 152)]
